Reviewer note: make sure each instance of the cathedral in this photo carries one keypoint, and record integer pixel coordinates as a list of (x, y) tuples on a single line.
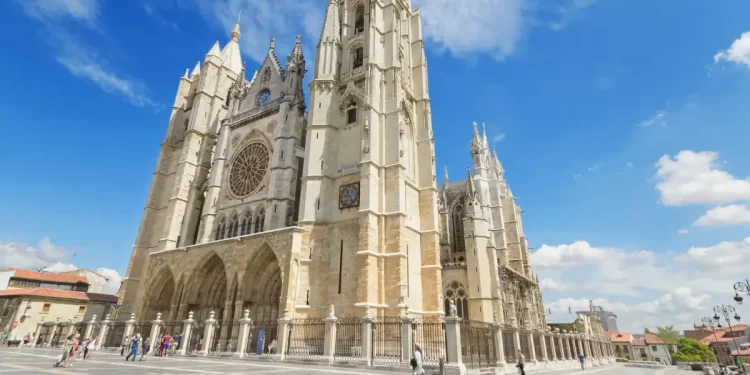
[(262, 200)]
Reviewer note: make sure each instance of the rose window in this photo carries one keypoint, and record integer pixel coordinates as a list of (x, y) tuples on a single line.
[(264, 98), (248, 169)]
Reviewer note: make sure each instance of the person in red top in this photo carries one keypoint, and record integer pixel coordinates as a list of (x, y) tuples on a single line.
[(165, 345), (74, 349)]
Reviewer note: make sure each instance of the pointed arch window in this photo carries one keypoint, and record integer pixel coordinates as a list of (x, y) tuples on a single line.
[(351, 112), (359, 19), (220, 229), (234, 226), (266, 75), (457, 293), (457, 223), (259, 219), (247, 219), (264, 97), (358, 56)]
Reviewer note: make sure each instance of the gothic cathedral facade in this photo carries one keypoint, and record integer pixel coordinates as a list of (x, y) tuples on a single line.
[(259, 204)]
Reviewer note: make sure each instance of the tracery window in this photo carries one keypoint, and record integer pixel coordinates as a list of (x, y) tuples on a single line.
[(247, 223), (220, 229), (358, 56), (456, 292), (266, 75), (351, 112), (457, 224), (234, 226), (259, 219), (248, 169), (264, 97), (359, 19)]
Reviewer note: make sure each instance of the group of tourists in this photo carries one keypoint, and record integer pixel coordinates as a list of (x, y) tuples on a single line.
[(134, 345), (74, 348)]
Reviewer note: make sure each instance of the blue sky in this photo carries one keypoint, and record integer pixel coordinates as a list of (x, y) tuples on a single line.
[(581, 98)]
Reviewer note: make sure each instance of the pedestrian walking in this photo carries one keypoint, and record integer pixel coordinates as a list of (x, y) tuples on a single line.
[(165, 341), (521, 364), (73, 350), (134, 344), (62, 359), (90, 346), (417, 361), (125, 343), (581, 359), (145, 348), (26, 340)]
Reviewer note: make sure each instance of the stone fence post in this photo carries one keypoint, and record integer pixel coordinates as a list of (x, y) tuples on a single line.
[(499, 344), (52, 333), (103, 332), (283, 335), (245, 325), (155, 334), (187, 334), (329, 342), (367, 337), (129, 325), (90, 327), (406, 339), (453, 352), (208, 333)]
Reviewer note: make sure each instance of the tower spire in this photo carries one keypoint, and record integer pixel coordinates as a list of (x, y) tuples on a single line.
[(484, 136), (445, 174), (235, 35), (471, 191)]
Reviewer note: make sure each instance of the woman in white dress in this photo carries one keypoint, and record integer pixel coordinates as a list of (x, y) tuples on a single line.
[(418, 360)]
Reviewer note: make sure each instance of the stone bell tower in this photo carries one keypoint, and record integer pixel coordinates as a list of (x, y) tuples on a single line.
[(369, 197)]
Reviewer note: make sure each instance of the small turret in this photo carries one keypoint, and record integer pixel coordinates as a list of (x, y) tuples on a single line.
[(230, 55), (294, 71), (214, 54), (471, 191), (196, 70)]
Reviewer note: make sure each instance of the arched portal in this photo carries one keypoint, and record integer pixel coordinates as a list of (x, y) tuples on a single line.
[(208, 290), (160, 295), (262, 286)]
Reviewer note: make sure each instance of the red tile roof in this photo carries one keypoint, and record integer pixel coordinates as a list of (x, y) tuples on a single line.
[(638, 342), (652, 338), (57, 293), (724, 334), (49, 277), (619, 336)]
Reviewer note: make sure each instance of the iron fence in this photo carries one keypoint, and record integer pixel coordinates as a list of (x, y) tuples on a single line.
[(115, 335), (262, 338), (80, 329), (348, 339), (59, 336), (44, 333), (387, 340), (197, 341), (429, 333), (306, 337), (537, 346), (144, 329), (224, 342), (478, 344)]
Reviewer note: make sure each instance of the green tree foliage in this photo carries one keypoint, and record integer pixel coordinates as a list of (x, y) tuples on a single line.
[(668, 334), (692, 350)]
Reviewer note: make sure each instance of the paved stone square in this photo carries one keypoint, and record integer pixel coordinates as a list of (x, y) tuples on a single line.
[(39, 361)]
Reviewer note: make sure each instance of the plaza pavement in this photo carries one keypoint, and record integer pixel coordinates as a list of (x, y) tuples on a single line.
[(39, 361)]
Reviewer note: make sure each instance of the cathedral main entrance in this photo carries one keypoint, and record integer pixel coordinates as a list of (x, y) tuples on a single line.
[(224, 277)]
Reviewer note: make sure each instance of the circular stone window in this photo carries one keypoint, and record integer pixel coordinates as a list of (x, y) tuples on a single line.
[(248, 169)]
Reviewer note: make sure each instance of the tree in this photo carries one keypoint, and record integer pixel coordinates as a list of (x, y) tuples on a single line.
[(692, 350), (667, 333)]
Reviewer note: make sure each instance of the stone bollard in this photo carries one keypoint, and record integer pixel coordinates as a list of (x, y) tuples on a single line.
[(187, 334), (155, 334), (329, 342), (90, 327), (208, 333), (245, 325), (103, 333), (367, 337)]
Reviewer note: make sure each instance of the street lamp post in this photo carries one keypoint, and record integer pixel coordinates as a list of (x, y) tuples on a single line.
[(710, 322), (741, 286), (726, 311)]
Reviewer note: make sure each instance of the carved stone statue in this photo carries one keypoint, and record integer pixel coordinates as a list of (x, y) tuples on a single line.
[(453, 309)]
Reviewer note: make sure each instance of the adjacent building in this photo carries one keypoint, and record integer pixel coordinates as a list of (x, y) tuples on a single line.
[(28, 298), (608, 318), (648, 347), (724, 342), (96, 281)]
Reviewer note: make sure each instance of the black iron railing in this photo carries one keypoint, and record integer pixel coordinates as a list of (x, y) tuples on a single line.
[(348, 339), (429, 333), (262, 338), (306, 337), (478, 344), (387, 340)]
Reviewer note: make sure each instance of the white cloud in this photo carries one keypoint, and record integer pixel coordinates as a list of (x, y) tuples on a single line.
[(20, 255), (498, 138), (570, 12), (114, 279), (696, 177), (738, 52), (682, 231), (642, 287), (658, 119), (725, 215), (60, 267)]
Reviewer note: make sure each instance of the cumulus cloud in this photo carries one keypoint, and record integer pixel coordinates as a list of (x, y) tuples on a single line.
[(738, 52), (642, 287), (697, 177), (725, 215), (114, 279), (46, 10), (658, 119)]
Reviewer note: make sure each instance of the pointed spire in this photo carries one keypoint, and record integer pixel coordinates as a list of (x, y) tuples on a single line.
[(445, 174), (476, 131), (235, 35), (471, 191), (272, 45), (331, 27), (215, 50), (196, 70), (476, 142), (296, 56), (187, 73)]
